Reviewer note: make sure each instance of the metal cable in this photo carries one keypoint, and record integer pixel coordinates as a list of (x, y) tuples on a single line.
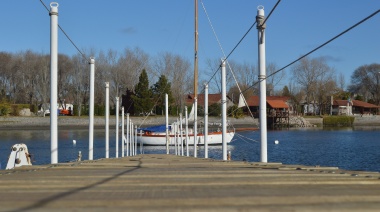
[(67, 36), (320, 46)]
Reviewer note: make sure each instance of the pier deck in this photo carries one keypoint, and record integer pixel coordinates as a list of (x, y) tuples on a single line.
[(172, 183)]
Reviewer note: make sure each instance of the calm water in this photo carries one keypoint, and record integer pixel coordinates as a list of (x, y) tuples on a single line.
[(346, 148)]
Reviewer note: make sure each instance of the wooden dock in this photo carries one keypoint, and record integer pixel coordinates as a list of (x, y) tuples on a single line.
[(174, 183)]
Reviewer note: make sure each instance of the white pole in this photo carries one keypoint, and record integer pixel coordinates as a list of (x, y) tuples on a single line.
[(117, 127), (167, 122), (224, 111), (107, 119), (187, 132), (127, 136), (141, 144), (132, 138), (135, 140), (206, 121), (262, 79), (181, 131), (53, 81), (91, 111), (175, 138), (195, 127), (122, 132)]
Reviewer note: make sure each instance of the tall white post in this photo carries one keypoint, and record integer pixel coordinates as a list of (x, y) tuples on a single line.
[(131, 137), (167, 122), (135, 140), (206, 121), (107, 120), (181, 132), (117, 127), (262, 79), (53, 82), (122, 132), (127, 136), (224, 111), (195, 128), (187, 132), (91, 111)]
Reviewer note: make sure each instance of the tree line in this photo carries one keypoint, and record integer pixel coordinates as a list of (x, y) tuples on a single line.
[(25, 79)]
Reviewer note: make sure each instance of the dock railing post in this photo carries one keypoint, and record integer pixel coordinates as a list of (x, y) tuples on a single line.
[(167, 122), (117, 127), (107, 127), (54, 82), (91, 109), (122, 132), (181, 132), (136, 140), (224, 111), (187, 132), (127, 136), (262, 79), (206, 121), (195, 128)]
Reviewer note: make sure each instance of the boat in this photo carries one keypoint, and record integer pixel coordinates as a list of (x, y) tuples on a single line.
[(156, 136)]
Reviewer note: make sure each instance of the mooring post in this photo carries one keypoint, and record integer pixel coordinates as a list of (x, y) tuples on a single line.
[(91, 110), (54, 82), (107, 127), (260, 18), (122, 132), (181, 132), (136, 140), (187, 132), (167, 122), (224, 111), (206, 121), (127, 136), (117, 127), (195, 128)]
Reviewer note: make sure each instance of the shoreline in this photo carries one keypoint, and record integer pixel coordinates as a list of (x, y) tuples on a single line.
[(67, 122)]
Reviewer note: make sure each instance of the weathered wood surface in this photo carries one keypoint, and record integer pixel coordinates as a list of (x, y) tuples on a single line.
[(173, 183)]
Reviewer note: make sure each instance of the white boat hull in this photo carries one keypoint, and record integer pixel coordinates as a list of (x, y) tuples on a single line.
[(159, 139)]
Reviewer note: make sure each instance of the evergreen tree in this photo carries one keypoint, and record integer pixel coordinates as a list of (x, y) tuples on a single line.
[(159, 90), (143, 95)]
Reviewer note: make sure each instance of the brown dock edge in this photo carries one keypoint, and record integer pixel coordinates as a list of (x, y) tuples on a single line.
[(175, 183)]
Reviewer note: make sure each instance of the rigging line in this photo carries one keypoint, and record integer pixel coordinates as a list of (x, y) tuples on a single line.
[(322, 45), (221, 48), (270, 13), (67, 36)]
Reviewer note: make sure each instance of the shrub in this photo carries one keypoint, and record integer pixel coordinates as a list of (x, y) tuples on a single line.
[(235, 112), (338, 121), (5, 108)]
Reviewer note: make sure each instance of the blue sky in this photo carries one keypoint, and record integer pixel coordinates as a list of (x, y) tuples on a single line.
[(156, 26)]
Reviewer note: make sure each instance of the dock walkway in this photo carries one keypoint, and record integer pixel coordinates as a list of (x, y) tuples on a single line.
[(174, 183)]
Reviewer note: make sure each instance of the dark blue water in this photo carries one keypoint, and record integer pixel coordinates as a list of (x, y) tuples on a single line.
[(345, 148)]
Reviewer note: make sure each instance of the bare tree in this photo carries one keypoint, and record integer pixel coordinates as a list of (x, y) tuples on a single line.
[(178, 72), (311, 75), (366, 80)]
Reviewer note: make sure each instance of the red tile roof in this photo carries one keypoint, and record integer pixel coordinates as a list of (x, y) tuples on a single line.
[(277, 104), (253, 101), (212, 98), (356, 103)]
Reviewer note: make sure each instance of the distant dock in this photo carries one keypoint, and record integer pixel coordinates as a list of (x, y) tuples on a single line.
[(174, 183)]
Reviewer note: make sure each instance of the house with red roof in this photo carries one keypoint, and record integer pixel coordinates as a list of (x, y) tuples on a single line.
[(275, 105), (353, 107)]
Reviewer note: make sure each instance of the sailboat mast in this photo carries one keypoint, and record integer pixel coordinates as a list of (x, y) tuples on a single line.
[(195, 78), (196, 51)]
